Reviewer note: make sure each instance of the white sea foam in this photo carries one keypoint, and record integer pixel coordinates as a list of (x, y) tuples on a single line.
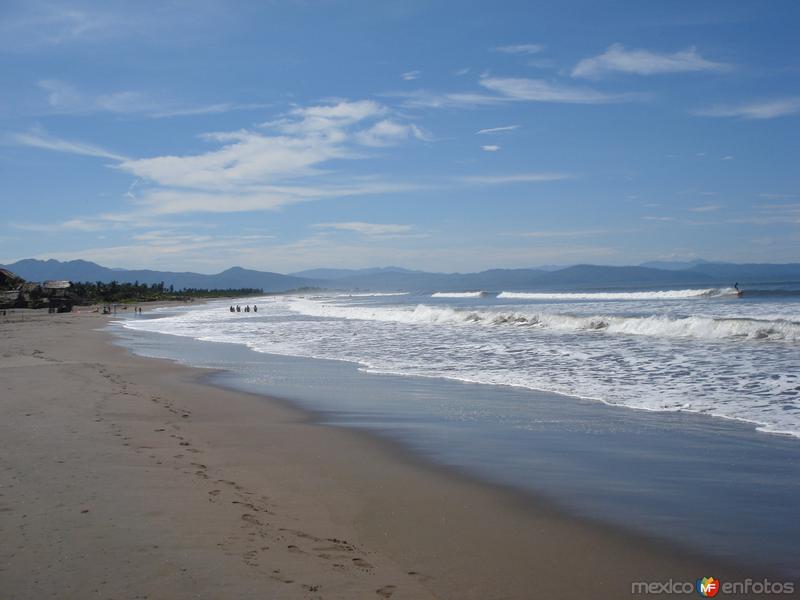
[(730, 359), (655, 295), (458, 295)]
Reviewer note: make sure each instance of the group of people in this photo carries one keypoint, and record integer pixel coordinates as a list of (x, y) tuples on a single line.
[(245, 309)]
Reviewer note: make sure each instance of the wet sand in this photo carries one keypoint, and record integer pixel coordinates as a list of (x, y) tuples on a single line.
[(127, 477)]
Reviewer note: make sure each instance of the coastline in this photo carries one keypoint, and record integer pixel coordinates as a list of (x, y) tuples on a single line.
[(192, 490)]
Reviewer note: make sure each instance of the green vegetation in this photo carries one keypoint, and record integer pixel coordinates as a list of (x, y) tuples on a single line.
[(116, 292)]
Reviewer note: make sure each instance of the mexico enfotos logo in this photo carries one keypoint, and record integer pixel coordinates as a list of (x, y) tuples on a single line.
[(709, 587)]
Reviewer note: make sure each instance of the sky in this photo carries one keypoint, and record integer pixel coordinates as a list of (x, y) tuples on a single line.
[(443, 136)]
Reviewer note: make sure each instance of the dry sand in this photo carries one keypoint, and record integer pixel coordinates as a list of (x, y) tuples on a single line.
[(123, 477)]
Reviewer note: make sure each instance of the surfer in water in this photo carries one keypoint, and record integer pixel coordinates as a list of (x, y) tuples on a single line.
[(736, 287)]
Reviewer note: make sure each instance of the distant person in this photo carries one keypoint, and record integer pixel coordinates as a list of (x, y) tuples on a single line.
[(736, 287), (255, 308), (238, 308), (232, 309), (247, 308)]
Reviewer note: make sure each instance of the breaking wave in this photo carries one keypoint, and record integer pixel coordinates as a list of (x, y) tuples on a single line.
[(458, 295), (657, 295), (697, 327)]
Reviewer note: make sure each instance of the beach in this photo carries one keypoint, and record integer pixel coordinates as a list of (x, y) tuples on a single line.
[(129, 477)]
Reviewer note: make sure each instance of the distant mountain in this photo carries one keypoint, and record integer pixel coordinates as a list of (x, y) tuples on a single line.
[(399, 279), (602, 276), (81, 270), (329, 274), (673, 265)]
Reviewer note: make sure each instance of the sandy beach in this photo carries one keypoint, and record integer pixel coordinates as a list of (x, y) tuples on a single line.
[(126, 477)]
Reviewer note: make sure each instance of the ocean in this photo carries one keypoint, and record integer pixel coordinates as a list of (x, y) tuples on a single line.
[(671, 412), (700, 350)]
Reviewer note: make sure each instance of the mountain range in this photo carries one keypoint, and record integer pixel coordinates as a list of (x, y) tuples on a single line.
[(396, 278)]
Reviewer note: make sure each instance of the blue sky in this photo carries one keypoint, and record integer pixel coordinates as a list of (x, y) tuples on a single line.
[(448, 136)]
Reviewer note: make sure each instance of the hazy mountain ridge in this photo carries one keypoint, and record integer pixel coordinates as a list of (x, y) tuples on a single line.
[(81, 270), (399, 279)]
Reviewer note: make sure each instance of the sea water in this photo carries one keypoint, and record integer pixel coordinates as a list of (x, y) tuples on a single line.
[(700, 350)]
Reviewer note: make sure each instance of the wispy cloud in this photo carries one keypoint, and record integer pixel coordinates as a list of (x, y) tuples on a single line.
[(64, 98), (411, 75), (765, 109), (431, 99), (539, 90), (705, 208), (39, 138), (572, 233), (35, 24), (618, 59), (509, 89), (370, 229), (514, 178), (519, 49), (497, 129), (47, 24), (208, 109), (490, 148)]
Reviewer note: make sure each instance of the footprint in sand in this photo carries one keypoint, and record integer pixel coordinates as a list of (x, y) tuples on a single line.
[(360, 562), (248, 518), (386, 591)]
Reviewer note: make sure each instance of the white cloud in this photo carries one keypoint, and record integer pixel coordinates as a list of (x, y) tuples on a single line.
[(38, 138), (389, 133), (766, 109), (653, 218), (371, 229), (255, 170), (307, 137), (490, 148), (538, 90), (520, 49), (728, 157), (460, 72), (497, 129), (618, 59), (514, 178), (411, 75)]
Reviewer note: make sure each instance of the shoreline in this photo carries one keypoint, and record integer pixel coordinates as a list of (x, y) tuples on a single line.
[(301, 508)]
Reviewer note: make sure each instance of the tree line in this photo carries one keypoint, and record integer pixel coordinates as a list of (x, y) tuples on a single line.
[(115, 291)]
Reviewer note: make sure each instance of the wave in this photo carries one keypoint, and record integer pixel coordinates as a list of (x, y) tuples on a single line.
[(459, 295), (370, 294), (658, 295), (693, 327)]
